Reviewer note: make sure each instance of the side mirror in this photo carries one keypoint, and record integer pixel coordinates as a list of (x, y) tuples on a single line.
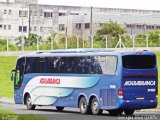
[(12, 75)]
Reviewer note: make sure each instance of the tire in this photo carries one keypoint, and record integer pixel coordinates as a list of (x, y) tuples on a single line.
[(29, 103), (59, 108), (129, 112), (115, 112), (84, 108), (95, 107)]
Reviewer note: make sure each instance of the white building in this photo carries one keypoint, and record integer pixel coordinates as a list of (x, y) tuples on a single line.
[(16, 15)]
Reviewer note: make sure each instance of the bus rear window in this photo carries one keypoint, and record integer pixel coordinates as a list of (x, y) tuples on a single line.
[(139, 61)]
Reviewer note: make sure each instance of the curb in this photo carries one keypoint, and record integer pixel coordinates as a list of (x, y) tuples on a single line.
[(7, 100)]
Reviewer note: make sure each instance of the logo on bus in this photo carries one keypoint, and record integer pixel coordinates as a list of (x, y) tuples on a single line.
[(139, 83), (49, 81)]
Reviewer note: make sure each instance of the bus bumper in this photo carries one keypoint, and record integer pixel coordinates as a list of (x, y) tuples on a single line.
[(138, 104)]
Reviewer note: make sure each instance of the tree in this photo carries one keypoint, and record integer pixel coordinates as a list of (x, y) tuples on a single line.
[(111, 29), (30, 41), (52, 36), (153, 39)]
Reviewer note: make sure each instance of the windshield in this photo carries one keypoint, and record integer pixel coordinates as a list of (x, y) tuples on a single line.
[(139, 61)]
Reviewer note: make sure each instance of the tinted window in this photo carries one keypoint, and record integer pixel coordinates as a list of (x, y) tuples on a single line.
[(72, 65), (139, 61)]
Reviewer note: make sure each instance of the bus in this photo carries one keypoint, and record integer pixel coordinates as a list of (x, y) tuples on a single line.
[(92, 80)]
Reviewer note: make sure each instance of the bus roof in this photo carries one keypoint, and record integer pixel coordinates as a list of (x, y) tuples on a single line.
[(82, 52)]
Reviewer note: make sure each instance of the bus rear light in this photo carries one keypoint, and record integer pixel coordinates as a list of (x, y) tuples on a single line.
[(139, 53), (120, 92)]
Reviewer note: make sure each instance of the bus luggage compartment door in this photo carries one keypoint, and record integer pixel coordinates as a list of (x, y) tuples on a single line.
[(108, 97)]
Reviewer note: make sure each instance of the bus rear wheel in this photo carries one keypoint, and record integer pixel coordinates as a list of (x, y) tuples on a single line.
[(29, 104), (95, 107), (129, 112), (84, 108), (115, 112), (59, 108)]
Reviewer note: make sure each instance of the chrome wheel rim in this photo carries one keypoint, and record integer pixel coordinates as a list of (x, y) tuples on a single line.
[(83, 106), (95, 106), (29, 102)]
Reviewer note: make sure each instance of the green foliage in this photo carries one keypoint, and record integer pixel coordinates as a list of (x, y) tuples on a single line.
[(158, 63), (153, 39), (19, 40), (3, 42), (3, 46), (31, 40), (112, 30), (52, 36), (7, 115)]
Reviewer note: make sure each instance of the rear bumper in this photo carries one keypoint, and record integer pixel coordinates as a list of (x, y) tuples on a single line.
[(138, 104)]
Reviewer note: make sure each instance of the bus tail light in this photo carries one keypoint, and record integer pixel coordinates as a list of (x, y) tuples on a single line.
[(120, 93)]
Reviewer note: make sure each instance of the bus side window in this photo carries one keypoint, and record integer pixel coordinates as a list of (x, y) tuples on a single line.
[(19, 72), (30, 65)]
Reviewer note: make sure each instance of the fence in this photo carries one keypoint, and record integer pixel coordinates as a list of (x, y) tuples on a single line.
[(67, 42)]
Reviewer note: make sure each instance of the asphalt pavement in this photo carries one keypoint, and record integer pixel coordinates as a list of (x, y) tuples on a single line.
[(50, 113)]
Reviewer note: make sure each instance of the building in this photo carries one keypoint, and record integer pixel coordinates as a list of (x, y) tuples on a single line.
[(28, 16)]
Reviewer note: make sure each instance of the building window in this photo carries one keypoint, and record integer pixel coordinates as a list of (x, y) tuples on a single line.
[(23, 13), (41, 29), (62, 14), (9, 27), (87, 25), (41, 13), (35, 28), (157, 27), (9, 12), (74, 13), (61, 27), (24, 29), (48, 14), (4, 27), (78, 25), (35, 13), (0, 26), (101, 24), (5, 11)]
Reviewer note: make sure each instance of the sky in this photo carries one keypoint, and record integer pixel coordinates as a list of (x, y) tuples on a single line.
[(128, 4)]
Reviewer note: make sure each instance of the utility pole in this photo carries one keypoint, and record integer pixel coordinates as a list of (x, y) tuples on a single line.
[(91, 20), (29, 21), (22, 27)]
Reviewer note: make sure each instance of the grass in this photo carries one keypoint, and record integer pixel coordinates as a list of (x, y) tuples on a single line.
[(7, 63), (158, 61), (9, 115)]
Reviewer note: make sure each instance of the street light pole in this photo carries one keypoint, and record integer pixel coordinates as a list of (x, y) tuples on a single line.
[(22, 42)]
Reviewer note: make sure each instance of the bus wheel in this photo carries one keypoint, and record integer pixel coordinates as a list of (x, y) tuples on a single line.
[(129, 112), (115, 112), (59, 108), (95, 107), (29, 103), (84, 109)]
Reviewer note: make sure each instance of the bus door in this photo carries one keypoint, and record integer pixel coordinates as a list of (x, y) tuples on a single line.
[(18, 78), (139, 81)]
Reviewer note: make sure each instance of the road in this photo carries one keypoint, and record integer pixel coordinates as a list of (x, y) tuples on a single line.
[(73, 113)]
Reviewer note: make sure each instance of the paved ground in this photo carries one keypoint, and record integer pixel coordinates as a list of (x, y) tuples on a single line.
[(73, 113)]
